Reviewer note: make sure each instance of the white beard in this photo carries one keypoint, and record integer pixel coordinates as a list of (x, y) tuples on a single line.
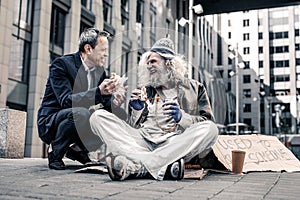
[(160, 78)]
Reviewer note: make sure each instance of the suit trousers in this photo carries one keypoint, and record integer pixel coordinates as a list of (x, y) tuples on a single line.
[(72, 126)]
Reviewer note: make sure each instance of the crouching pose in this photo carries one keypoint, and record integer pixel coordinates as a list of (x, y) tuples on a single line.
[(170, 121)]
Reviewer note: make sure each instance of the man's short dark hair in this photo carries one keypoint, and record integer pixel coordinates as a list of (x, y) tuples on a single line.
[(90, 36)]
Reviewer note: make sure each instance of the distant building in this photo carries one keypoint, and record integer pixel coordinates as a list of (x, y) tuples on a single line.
[(268, 44)]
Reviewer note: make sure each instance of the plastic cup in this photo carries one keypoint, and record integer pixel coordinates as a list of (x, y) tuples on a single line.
[(238, 158)]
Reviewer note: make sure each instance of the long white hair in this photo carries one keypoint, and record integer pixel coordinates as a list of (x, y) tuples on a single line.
[(177, 69)]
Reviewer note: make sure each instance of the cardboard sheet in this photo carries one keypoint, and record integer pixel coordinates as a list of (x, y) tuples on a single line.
[(263, 153)]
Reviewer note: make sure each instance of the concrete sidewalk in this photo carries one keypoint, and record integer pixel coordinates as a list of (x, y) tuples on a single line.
[(30, 178)]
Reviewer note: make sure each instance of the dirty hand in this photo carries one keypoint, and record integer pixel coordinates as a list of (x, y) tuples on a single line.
[(173, 109), (119, 97), (135, 101), (108, 86)]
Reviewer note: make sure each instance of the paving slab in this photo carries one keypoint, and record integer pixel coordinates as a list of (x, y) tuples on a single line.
[(30, 178)]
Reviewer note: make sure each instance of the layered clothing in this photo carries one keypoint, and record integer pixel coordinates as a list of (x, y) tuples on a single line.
[(155, 140)]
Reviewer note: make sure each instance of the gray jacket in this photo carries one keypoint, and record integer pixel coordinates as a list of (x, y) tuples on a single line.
[(193, 101)]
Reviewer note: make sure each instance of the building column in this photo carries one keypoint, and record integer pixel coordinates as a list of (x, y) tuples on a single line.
[(6, 21), (72, 27), (39, 70), (293, 86)]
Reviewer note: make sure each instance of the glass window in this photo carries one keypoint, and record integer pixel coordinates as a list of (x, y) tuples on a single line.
[(297, 47), (124, 61), (246, 78), (260, 50), (168, 26), (297, 61), (87, 19), (246, 50), (57, 31), (246, 36), (279, 35), (20, 59), (229, 86), (168, 4), (20, 48), (87, 4), (248, 121), (21, 41), (271, 35), (280, 63), (125, 16), (247, 64), (260, 35), (279, 49), (296, 32), (247, 107), (107, 11), (246, 22), (282, 78), (84, 25), (152, 23), (140, 11), (260, 64), (140, 21)]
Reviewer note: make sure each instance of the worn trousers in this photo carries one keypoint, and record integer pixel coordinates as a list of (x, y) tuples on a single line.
[(123, 139)]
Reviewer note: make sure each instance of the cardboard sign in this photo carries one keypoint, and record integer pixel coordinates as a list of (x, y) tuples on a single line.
[(263, 153)]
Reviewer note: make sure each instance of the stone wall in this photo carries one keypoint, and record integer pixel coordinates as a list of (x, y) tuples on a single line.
[(12, 133)]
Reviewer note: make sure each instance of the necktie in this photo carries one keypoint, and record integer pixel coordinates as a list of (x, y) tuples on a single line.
[(92, 77)]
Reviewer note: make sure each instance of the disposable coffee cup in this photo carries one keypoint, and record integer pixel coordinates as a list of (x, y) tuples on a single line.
[(238, 158)]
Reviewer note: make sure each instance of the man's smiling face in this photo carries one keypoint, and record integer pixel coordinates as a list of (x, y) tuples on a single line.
[(157, 69)]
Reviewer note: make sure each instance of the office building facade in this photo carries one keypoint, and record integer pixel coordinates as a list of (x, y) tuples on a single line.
[(35, 32)]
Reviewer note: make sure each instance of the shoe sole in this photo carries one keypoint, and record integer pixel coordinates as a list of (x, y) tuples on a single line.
[(181, 168), (56, 168), (180, 174), (111, 172)]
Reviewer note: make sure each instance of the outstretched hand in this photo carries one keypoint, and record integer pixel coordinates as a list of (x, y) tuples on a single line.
[(172, 108), (119, 95)]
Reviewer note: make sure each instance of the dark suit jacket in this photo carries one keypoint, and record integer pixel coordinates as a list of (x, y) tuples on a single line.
[(67, 87)]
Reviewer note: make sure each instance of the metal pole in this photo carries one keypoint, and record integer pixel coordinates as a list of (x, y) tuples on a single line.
[(271, 118), (237, 88), (190, 52), (176, 36)]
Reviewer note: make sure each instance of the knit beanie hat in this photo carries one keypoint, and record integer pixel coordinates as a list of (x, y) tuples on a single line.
[(164, 47)]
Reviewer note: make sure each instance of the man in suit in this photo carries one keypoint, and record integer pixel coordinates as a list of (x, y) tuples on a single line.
[(76, 82)]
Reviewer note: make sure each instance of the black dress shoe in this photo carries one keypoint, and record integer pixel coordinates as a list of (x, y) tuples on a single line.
[(55, 163), (80, 156)]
